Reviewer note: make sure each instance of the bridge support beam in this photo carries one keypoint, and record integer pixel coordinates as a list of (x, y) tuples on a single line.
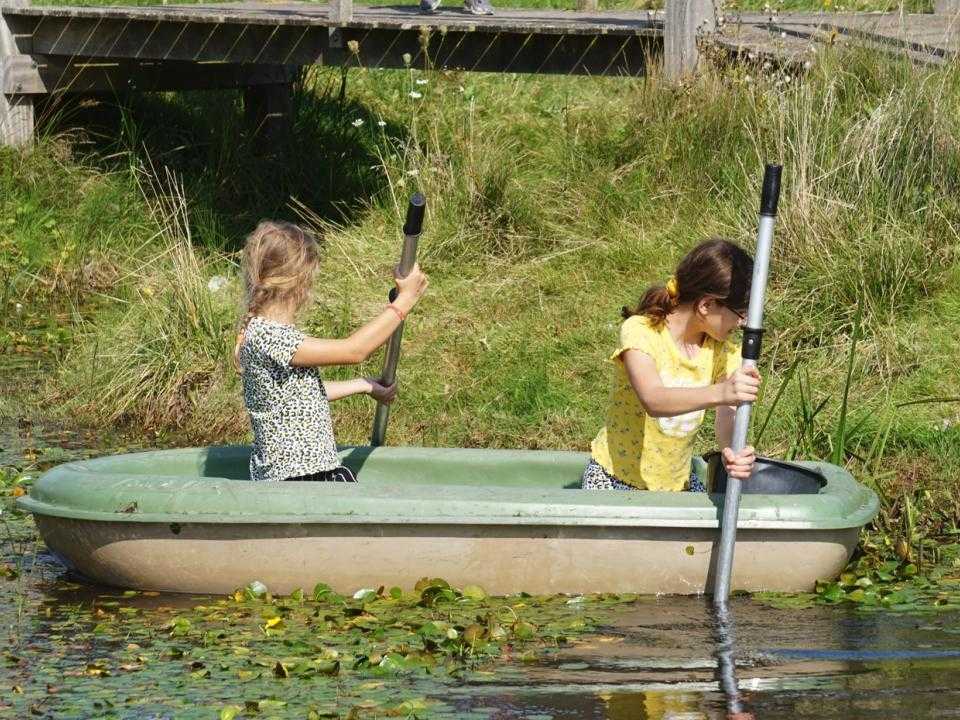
[(268, 111), (947, 7), (16, 109), (685, 21)]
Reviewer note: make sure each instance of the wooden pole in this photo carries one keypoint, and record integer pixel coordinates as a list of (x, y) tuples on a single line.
[(268, 112), (947, 7), (587, 5), (16, 109), (341, 11), (684, 22)]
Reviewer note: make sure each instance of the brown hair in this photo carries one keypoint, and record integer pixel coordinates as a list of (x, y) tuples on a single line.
[(279, 260), (716, 268)]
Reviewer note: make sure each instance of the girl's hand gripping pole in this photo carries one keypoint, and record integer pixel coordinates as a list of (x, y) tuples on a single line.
[(411, 235), (752, 334)]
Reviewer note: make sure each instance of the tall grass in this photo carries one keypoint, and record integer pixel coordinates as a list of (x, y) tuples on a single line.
[(551, 203), (159, 356)]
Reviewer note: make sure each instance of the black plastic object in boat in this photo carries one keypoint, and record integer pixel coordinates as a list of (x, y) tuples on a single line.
[(769, 477)]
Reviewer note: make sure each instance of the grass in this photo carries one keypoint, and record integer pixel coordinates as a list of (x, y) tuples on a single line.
[(552, 202)]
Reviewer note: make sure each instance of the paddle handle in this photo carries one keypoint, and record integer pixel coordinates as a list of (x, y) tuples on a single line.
[(750, 351), (408, 257)]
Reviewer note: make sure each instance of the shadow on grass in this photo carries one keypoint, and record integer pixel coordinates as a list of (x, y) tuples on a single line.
[(329, 162)]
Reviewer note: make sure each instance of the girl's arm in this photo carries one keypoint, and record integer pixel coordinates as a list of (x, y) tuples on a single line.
[(315, 352), (338, 389), (660, 401), (738, 465)]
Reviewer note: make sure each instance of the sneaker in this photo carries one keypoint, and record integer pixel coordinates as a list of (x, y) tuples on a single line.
[(478, 7), (428, 7)]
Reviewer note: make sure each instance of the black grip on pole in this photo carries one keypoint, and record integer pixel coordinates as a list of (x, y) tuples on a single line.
[(752, 339), (771, 190), (414, 223)]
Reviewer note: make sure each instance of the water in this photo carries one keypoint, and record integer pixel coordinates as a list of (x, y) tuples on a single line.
[(650, 659)]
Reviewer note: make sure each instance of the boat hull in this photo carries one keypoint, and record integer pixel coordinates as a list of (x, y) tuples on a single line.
[(509, 521), (217, 558)]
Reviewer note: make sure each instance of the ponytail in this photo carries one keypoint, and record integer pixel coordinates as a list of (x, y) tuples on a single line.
[(716, 268), (656, 304)]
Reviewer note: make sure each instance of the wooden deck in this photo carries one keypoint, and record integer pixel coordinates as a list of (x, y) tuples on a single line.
[(53, 49), (924, 38), (530, 41)]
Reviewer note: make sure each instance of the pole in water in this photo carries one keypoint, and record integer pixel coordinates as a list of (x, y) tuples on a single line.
[(752, 334), (725, 635), (411, 235)]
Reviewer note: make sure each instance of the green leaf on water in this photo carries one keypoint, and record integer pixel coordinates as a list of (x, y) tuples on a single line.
[(321, 590), (474, 592), (229, 712)]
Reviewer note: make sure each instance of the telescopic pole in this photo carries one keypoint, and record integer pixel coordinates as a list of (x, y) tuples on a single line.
[(411, 235), (752, 334)]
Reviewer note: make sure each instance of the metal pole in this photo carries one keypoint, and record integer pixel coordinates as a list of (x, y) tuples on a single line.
[(752, 334), (411, 235), (726, 637)]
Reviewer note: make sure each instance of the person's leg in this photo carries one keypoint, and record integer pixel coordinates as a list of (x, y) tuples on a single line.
[(595, 477), (478, 7), (338, 474), (696, 484), (429, 6)]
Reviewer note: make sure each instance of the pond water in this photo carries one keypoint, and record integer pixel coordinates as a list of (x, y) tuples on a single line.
[(73, 651)]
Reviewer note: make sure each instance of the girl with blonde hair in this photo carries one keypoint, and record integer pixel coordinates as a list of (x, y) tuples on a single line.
[(288, 403), (674, 361)]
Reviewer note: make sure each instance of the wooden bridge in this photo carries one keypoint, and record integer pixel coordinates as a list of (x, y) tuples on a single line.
[(259, 46)]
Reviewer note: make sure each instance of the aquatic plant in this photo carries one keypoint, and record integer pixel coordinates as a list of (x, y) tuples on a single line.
[(313, 653)]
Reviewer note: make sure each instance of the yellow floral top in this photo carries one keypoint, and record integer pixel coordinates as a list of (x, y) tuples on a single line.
[(654, 453)]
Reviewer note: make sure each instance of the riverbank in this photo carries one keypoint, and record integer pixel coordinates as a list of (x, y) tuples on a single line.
[(552, 203)]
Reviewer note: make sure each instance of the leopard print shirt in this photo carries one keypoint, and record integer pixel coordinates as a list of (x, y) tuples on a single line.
[(288, 406)]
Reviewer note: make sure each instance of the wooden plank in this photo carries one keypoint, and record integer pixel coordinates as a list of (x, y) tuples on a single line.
[(377, 48), (40, 75), (19, 76), (341, 11), (684, 24), (504, 52), (142, 40), (397, 17), (16, 108), (947, 7)]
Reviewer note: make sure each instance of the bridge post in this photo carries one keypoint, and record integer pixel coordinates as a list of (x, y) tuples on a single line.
[(16, 109), (947, 7), (684, 21), (341, 11), (268, 114)]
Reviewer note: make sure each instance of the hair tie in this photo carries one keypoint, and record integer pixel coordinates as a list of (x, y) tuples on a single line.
[(673, 290)]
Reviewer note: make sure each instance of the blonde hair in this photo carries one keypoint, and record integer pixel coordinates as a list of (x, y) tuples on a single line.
[(279, 260)]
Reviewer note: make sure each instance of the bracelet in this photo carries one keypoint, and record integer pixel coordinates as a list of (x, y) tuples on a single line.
[(400, 313)]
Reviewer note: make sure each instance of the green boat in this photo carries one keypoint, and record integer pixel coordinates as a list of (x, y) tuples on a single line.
[(191, 521)]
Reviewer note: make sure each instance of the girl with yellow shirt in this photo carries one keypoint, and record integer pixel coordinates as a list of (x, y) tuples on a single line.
[(673, 362)]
